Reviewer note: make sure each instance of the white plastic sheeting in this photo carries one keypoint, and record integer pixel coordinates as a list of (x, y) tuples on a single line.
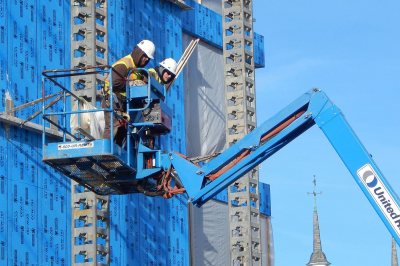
[(93, 122), (204, 100), (209, 230), (210, 236), (267, 242)]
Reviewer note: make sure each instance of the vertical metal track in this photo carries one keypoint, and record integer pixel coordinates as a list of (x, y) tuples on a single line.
[(244, 213), (90, 212)]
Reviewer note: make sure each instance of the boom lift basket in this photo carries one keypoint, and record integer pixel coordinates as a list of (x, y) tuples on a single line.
[(94, 162)]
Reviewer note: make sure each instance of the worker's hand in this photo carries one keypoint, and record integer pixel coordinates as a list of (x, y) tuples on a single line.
[(126, 116), (123, 115)]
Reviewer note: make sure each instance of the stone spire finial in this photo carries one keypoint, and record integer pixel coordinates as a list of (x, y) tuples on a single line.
[(318, 257)]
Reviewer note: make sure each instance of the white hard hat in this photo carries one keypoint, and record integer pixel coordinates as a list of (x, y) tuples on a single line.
[(147, 47), (169, 64)]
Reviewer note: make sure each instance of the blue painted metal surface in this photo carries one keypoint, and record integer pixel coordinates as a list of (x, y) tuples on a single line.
[(364, 170), (35, 223), (77, 149)]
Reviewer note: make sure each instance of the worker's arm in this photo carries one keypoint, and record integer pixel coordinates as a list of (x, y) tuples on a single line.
[(119, 75), (154, 74)]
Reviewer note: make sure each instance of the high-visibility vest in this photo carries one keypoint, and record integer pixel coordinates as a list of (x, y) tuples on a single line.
[(154, 74), (127, 61)]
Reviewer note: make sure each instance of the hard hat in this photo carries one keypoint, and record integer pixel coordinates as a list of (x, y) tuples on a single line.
[(169, 64), (147, 47)]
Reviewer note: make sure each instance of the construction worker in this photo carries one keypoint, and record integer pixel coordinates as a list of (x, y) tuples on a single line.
[(140, 56), (165, 72)]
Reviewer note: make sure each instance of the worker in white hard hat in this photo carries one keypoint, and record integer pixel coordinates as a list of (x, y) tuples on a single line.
[(138, 58), (165, 72)]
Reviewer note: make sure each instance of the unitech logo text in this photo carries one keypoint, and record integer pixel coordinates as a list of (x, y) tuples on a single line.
[(381, 195)]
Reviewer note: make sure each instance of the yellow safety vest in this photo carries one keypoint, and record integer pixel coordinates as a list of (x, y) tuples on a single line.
[(127, 61)]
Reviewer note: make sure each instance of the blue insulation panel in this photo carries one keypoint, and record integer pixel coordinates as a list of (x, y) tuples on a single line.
[(259, 56), (206, 24), (145, 230), (203, 23), (265, 199), (34, 214), (35, 221)]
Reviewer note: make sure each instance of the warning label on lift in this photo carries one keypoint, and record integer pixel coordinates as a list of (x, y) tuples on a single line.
[(75, 145)]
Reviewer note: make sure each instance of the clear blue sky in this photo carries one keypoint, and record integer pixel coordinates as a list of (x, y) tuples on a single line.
[(351, 50)]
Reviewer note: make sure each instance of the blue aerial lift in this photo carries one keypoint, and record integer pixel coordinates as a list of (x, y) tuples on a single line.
[(141, 166)]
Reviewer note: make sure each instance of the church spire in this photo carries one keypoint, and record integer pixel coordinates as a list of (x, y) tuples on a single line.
[(318, 257), (394, 253)]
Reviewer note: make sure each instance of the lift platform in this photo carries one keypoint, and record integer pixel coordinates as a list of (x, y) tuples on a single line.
[(93, 164), (99, 164)]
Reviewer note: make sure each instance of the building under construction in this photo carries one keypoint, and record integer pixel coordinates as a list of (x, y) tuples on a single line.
[(47, 219)]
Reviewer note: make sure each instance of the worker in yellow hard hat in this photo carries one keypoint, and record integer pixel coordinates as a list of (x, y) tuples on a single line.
[(138, 58)]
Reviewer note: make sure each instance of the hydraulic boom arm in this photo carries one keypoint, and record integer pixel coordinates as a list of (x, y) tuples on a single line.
[(314, 107)]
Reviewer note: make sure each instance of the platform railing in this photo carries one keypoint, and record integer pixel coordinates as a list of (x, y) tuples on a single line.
[(144, 94), (65, 94)]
